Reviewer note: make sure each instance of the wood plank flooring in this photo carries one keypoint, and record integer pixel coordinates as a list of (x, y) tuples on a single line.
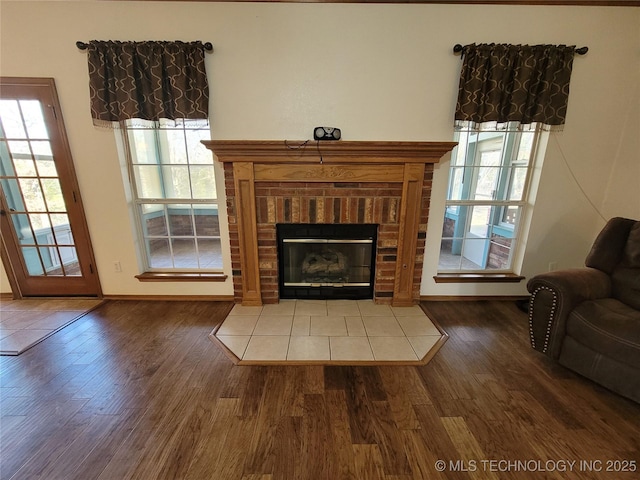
[(135, 390)]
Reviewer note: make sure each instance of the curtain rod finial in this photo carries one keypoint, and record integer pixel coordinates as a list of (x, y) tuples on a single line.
[(457, 48), (208, 46), (81, 45), (582, 50)]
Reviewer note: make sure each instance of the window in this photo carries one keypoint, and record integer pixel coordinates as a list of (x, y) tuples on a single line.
[(488, 187), (174, 195)]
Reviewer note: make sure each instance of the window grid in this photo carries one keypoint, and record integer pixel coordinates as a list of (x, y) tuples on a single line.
[(475, 243), (184, 247)]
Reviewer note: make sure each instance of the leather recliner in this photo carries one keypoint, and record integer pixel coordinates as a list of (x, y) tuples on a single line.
[(588, 319)]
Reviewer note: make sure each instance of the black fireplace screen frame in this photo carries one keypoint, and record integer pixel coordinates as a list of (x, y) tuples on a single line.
[(330, 234)]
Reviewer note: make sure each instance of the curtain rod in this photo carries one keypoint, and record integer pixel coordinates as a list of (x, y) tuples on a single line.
[(457, 48), (208, 46)]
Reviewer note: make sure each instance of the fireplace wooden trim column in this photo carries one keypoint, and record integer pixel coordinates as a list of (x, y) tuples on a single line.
[(243, 178), (343, 161), (408, 235)]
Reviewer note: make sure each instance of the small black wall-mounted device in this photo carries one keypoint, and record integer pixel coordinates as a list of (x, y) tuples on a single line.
[(326, 133)]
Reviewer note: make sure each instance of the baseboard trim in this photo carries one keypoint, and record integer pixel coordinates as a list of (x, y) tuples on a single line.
[(6, 296), (473, 298), (173, 298)]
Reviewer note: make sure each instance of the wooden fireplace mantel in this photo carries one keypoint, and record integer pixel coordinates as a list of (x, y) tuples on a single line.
[(329, 161)]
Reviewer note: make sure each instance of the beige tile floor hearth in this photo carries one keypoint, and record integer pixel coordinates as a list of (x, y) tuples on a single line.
[(328, 331), (24, 323)]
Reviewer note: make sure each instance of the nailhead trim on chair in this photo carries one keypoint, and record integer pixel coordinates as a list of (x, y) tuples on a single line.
[(554, 304)]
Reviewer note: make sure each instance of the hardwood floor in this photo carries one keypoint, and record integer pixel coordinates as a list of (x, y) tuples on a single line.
[(136, 390)]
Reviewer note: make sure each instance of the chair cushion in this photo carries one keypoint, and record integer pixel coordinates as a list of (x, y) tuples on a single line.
[(607, 326), (626, 286)]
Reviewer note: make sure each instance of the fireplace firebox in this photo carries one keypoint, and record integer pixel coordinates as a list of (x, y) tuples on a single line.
[(326, 261)]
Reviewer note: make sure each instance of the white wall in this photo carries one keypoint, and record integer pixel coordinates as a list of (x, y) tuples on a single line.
[(379, 72)]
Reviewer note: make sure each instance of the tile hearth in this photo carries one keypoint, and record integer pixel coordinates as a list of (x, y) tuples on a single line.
[(328, 332)]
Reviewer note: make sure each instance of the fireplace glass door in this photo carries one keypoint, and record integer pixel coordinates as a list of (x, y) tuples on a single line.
[(326, 261)]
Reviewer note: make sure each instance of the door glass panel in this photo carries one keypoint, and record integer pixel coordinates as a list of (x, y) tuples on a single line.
[(6, 166), (69, 260), (53, 194), (44, 159), (23, 229), (41, 228), (12, 194), (11, 119), (32, 261), (33, 119), (51, 260), (33, 193)]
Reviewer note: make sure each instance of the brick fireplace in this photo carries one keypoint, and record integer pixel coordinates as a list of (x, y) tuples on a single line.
[(345, 182)]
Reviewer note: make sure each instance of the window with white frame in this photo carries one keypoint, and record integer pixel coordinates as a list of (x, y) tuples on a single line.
[(174, 195), (489, 177)]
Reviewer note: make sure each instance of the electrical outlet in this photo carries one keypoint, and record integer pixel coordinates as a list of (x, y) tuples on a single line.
[(117, 267), (553, 266)]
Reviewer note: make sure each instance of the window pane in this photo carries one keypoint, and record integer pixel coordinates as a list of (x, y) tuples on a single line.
[(459, 154), (487, 175), (143, 147), (154, 220), (479, 224), (184, 253), (456, 183), (517, 183), (180, 220), (206, 220), (203, 182), (510, 215), (499, 253), (198, 153), (210, 253), (174, 146), (159, 254), (148, 182), (176, 181), (525, 148)]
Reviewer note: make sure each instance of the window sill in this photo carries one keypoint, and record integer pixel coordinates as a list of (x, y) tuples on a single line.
[(478, 278), (181, 277)]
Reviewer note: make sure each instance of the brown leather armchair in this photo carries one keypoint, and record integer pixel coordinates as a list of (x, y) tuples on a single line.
[(588, 319)]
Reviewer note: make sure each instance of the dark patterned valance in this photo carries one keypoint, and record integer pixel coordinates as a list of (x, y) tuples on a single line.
[(147, 80), (514, 83)]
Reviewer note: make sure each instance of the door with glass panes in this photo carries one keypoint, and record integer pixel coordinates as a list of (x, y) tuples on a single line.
[(45, 241)]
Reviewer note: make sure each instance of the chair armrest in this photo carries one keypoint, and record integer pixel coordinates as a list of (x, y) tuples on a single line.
[(553, 296)]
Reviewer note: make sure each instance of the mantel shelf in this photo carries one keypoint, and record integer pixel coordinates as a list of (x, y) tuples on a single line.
[(299, 151)]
